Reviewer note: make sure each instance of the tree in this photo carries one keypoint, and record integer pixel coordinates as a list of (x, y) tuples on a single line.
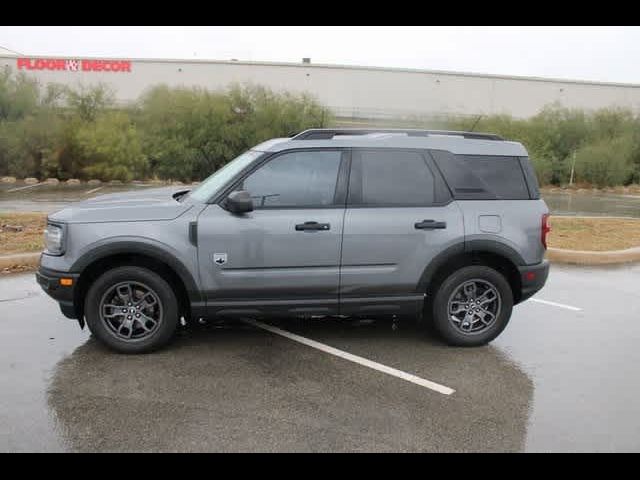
[(19, 95), (112, 148), (89, 102), (606, 162), (191, 132), (32, 143)]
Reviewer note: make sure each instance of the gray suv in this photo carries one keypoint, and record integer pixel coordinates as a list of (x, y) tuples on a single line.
[(444, 227)]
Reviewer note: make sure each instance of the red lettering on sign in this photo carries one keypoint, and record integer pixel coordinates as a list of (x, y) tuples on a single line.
[(56, 64)]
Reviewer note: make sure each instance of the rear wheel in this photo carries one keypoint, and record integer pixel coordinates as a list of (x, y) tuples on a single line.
[(131, 310), (472, 306)]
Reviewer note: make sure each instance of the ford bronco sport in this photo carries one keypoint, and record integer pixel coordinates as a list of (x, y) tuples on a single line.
[(446, 227)]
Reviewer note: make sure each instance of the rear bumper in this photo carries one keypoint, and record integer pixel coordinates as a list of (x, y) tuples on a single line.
[(533, 278), (49, 280)]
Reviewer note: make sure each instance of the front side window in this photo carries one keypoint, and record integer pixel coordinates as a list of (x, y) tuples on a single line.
[(295, 179), (389, 178)]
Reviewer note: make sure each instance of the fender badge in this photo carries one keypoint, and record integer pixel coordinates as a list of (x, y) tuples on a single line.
[(219, 258)]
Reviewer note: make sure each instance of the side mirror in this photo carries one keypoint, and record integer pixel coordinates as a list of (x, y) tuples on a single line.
[(239, 202)]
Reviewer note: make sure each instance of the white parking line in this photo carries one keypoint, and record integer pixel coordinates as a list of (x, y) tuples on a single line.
[(354, 358), (24, 188), (554, 304)]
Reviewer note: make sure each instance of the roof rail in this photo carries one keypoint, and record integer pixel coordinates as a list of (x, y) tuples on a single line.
[(329, 133)]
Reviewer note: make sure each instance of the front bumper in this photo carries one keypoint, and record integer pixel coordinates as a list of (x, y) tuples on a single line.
[(533, 278), (50, 281)]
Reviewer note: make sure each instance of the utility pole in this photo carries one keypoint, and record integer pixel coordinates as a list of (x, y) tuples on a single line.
[(573, 168)]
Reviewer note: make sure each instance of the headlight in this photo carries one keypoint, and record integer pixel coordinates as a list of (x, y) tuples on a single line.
[(54, 239)]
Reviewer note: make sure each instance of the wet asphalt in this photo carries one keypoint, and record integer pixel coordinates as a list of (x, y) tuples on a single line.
[(555, 380)]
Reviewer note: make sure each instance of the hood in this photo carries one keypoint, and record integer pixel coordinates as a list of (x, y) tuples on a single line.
[(136, 206)]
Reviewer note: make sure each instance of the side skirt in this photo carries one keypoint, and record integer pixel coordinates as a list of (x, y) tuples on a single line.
[(411, 305)]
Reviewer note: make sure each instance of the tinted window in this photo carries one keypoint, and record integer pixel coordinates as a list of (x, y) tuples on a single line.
[(295, 179), (503, 175), (464, 184), (530, 175), (390, 177)]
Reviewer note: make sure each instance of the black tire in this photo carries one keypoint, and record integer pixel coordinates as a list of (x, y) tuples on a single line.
[(452, 332), (165, 310)]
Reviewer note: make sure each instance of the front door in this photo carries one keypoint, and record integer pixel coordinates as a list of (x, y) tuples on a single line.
[(284, 257)]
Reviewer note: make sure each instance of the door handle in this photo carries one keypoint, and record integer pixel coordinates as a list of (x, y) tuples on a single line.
[(314, 226), (430, 225)]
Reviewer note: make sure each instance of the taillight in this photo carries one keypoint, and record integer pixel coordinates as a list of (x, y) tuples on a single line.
[(545, 229)]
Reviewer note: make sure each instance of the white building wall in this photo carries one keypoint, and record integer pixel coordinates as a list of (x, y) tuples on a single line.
[(361, 92)]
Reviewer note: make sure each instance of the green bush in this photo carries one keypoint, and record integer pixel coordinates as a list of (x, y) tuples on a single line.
[(112, 148), (32, 144), (184, 131), (189, 133), (173, 133), (607, 162), (19, 95)]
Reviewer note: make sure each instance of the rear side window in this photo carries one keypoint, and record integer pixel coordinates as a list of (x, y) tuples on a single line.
[(483, 177), (503, 175), (532, 180), (389, 177)]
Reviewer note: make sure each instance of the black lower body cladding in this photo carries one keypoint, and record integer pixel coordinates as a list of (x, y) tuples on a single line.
[(61, 287), (533, 278)]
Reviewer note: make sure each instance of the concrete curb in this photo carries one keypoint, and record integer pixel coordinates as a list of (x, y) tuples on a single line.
[(582, 257), (20, 259), (587, 257)]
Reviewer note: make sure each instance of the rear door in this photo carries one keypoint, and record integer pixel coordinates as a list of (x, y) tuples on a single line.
[(399, 217)]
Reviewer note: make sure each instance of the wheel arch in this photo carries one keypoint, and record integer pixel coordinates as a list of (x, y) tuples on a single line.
[(491, 254), (105, 257)]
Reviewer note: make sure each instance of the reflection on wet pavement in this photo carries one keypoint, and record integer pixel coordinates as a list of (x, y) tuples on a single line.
[(241, 389)]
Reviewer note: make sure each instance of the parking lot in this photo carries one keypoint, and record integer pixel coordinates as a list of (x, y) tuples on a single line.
[(563, 376)]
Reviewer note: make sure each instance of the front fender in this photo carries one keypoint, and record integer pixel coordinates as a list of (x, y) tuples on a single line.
[(142, 246)]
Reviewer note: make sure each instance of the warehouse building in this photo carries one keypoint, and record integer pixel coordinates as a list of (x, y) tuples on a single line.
[(350, 92)]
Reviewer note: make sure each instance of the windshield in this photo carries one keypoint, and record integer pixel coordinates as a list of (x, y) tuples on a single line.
[(220, 177)]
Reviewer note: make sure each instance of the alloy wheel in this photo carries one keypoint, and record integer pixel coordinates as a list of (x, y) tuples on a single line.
[(131, 311), (474, 306)]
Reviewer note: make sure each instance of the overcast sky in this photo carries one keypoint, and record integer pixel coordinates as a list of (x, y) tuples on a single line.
[(590, 53)]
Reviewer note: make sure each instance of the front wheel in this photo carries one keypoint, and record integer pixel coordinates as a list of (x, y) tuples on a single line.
[(472, 306), (131, 310)]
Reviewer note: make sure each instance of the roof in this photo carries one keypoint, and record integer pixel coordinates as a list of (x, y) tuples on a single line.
[(453, 142), (6, 52)]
